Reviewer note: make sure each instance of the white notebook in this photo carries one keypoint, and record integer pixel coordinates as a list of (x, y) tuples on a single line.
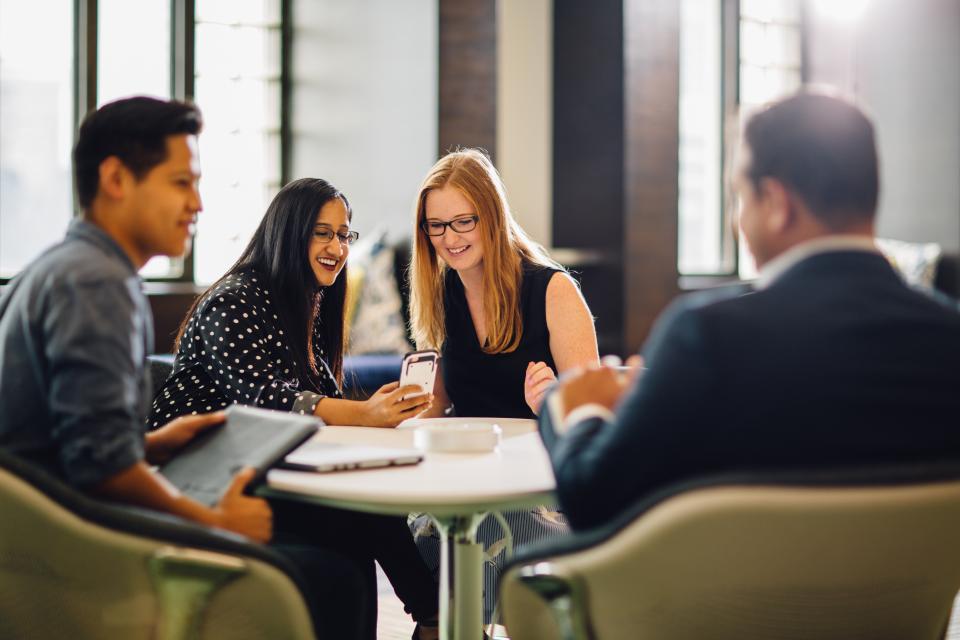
[(321, 457)]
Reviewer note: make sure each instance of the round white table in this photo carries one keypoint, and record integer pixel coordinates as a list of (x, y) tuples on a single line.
[(457, 490)]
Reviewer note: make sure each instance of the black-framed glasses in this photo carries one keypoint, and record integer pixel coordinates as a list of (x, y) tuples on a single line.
[(459, 225), (324, 235)]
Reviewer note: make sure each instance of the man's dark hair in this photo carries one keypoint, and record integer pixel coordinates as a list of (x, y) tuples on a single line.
[(135, 130), (823, 149)]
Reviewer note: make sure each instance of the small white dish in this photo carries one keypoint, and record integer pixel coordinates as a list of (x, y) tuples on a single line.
[(510, 426), (457, 438)]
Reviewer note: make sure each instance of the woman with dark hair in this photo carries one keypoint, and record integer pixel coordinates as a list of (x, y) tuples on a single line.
[(269, 333)]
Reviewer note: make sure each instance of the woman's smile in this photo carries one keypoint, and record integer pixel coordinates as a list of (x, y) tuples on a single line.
[(330, 264)]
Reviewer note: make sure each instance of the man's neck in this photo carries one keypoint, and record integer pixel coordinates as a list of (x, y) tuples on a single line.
[(773, 269), (809, 229), (109, 224)]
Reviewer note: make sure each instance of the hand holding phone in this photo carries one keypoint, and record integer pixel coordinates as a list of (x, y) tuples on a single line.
[(419, 368)]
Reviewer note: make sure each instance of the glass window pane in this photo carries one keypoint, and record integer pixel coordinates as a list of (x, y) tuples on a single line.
[(783, 48), (755, 9), (770, 55), (751, 41), (133, 58), (254, 51), (36, 127), (261, 13), (771, 10), (240, 144), (700, 230)]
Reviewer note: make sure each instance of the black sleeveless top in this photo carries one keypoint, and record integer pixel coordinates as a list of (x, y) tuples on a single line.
[(491, 385)]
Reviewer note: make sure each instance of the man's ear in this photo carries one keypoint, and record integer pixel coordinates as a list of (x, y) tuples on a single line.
[(778, 202), (114, 178)]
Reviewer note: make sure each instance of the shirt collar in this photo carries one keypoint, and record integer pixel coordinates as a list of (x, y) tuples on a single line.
[(81, 229), (825, 244)]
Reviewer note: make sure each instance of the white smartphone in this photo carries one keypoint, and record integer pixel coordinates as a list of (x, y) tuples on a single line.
[(420, 368)]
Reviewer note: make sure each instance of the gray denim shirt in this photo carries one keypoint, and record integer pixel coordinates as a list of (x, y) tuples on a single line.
[(75, 330)]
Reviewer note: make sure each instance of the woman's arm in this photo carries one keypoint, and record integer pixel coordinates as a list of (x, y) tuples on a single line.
[(245, 355), (573, 339), (385, 408)]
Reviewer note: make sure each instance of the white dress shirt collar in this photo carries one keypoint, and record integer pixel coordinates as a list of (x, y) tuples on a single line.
[(782, 263)]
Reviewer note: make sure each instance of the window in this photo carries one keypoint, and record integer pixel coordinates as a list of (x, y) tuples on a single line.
[(240, 95), (701, 225), (144, 27), (230, 63), (770, 67), (766, 54), (770, 56), (36, 127), (124, 27)]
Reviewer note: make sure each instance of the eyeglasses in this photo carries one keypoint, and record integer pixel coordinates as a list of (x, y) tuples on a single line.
[(323, 236), (459, 225)]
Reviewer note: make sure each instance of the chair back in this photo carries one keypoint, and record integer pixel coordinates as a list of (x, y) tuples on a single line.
[(161, 366), (75, 567), (735, 561)]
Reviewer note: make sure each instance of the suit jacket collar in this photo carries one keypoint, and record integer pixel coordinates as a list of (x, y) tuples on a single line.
[(773, 270), (839, 266)]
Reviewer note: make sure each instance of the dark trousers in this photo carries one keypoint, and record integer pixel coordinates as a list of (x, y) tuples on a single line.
[(361, 539), (335, 590)]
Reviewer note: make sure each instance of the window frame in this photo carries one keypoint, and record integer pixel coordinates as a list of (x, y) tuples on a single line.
[(182, 73), (730, 17)]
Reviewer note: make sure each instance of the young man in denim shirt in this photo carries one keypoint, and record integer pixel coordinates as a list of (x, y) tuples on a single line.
[(75, 330)]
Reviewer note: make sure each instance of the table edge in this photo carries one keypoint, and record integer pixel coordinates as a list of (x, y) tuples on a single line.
[(401, 508)]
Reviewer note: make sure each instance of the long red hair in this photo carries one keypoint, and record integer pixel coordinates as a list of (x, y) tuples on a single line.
[(506, 247)]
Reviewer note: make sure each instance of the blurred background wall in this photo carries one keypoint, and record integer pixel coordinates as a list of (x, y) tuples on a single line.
[(611, 123)]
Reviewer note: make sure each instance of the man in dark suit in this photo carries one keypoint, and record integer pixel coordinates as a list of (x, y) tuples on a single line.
[(830, 360)]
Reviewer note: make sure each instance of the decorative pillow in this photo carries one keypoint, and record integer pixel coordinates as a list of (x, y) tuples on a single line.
[(374, 317), (916, 262)]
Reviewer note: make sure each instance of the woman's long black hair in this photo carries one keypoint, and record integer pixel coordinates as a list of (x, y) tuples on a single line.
[(279, 251)]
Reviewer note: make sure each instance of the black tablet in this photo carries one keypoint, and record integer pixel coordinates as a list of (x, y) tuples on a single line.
[(250, 437)]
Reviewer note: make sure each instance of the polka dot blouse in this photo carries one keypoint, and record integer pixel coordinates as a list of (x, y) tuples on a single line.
[(234, 351)]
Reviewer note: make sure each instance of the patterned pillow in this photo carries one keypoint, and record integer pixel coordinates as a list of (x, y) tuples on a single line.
[(916, 262), (374, 317)]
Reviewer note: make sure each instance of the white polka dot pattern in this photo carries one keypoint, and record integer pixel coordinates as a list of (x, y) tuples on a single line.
[(232, 351)]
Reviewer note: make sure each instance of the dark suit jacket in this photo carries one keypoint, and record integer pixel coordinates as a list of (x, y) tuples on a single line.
[(837, 362)]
